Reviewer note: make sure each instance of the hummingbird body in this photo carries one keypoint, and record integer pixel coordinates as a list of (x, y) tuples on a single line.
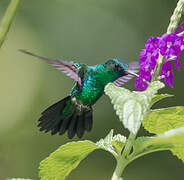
[(95, 80), (74, 113)]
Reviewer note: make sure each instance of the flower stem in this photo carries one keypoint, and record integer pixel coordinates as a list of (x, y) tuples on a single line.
[(157, 68), (7, 19), (174, 20)]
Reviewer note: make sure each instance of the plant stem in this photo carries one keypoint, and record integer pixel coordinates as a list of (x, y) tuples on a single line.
[(7, 19), (123, 160), (128, 145), (174, 20), (121, 164)]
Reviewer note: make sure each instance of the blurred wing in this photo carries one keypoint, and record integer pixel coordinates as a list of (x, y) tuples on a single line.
[(134, 67), (66, 67)]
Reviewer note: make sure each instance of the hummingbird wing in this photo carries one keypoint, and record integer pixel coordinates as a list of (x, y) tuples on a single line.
[(66, 67), (133, 67)]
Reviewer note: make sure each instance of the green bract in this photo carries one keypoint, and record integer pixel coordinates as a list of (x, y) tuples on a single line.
[(131, 107), (113, 144)]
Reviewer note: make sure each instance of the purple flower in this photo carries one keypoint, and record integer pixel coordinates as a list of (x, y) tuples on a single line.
[(169, 46), (145, 74), (140, 84), (152, 43), (167, 73), (149, 55)]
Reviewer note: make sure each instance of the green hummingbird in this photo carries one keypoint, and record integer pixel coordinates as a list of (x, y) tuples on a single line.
[(74, 112)]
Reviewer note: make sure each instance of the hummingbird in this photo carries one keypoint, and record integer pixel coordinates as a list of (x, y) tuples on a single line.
[(74, 113)]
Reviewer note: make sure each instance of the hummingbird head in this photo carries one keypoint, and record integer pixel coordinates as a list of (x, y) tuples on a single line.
[(120, 66)]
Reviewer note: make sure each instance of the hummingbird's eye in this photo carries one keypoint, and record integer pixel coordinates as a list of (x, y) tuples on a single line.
[(117, 66)]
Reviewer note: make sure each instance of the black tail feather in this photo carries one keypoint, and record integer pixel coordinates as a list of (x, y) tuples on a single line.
[(52, 115), (57, 107), (55, 130), (47, 121), (80, 126), (65, 125), (72, 127), (76, 122), (88, 123), (54, 123)]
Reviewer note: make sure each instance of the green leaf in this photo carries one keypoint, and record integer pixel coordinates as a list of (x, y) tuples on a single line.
[(161, 120), (171, 140), (131, 107), (66, 158), (112, 144), (159, 97)]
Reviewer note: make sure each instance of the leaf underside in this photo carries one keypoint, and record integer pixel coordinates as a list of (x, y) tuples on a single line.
[(131, 107)]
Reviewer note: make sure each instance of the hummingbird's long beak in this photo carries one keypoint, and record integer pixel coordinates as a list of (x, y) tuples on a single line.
[(131, 73)]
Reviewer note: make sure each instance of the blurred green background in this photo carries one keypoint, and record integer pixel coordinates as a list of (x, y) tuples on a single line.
[(89, 31)]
